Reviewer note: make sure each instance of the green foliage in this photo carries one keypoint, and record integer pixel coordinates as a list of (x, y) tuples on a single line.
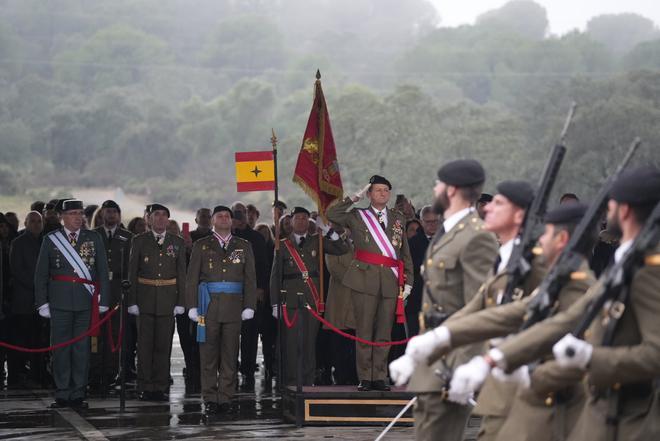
[(155, 96)]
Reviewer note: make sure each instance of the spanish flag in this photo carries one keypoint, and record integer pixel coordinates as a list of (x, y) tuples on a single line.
[(255, 171)]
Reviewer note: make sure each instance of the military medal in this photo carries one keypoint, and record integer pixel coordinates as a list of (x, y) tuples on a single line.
[(210, 263), (313, 253), (395, 242)]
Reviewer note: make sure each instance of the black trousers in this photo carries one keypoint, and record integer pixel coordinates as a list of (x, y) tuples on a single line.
[(25, 330), (187, 330)]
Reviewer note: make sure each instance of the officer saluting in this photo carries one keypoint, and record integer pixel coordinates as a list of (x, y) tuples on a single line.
[(221, 291), (71, 271), (374, 276), (157, 272)]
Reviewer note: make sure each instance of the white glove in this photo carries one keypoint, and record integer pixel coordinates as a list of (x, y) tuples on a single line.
[(44, 310), (247, 314), (275, 312), (422, 346), (402, 369), (467, 379), (192, 315), (133, 310), (520, 376), (407, 289), (580, 352), (322, 225), (178, 310), (103, 309), (360, 194)]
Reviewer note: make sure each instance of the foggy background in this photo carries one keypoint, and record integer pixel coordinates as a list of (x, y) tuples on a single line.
[(147, 100)]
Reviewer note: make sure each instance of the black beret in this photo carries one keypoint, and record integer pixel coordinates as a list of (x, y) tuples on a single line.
[(485, 197), (375, 179), (50, 206), (279, 204), (220, 208), (111, 204), (147, 209), (298, 210), (3, 219), (637, 186), (566, 214), (156, 207), (90, 209), (71, 204), (462, 173), (520, 193)]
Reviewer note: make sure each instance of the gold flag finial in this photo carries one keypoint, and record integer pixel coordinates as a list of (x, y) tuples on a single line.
[(273, 139), (318, 74)]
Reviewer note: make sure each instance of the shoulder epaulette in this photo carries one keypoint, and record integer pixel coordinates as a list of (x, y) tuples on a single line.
[(578, 275), (652, 260)]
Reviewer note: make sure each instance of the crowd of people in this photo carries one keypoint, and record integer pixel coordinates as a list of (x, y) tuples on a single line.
[(388, 274)]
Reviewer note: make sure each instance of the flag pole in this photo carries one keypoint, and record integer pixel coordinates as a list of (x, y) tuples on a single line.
[(273, 142), (317, 89)]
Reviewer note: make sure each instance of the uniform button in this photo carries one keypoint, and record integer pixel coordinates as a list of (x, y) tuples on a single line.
[(489, 301), (441, 265), (158, 274), (429, 262), (160, 264), (549, 401), (224, 270), (428, 283), (224, 260), (161, 254)]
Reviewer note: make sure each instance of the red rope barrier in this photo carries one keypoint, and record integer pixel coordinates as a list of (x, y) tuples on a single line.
[(87, 333), (115, 347), (353, 337)]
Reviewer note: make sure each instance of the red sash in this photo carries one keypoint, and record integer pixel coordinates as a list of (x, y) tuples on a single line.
[(95, 297), (379, 259), (303, 270)]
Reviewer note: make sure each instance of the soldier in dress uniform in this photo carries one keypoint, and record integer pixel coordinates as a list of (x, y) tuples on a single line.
[(117, 242), (375, 275), (67, 257), (221, 292), (157, 272), (458, 260), (296, 270), (504, 217), (620, 378)]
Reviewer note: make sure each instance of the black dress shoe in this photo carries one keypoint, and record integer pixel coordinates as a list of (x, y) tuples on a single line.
[(79, 403), (364, 386), (248, 384), (380, 385), (224, 408), (159, 396), (59, 403), (144, 396), (210, 407)]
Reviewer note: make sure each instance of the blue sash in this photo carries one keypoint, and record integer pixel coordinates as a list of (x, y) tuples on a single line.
[(204, 291)]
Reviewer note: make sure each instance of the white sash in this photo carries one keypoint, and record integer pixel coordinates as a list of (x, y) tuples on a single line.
[(379, 237), (72, 256)]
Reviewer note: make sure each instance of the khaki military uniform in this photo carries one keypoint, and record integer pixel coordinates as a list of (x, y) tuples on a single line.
[(339, 306), (456, 265), (374, 287), (286, 282), (70, 307), (118, 250), (158, 280), (209, 262), (630, 364)]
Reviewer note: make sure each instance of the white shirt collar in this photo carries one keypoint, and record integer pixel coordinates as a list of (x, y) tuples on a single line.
[(455, 218), (298, 237), (112, 230), (159, 234), (505, 254), (68, 232), (384, 211), (618, 254)]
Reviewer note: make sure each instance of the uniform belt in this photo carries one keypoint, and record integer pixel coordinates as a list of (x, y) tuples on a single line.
[(300, 275), (156, 282)]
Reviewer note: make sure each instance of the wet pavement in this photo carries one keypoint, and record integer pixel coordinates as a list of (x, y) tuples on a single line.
[(24, 414)]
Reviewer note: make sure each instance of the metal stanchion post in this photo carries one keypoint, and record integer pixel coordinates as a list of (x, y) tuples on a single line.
[(125, 287), (302, 318)]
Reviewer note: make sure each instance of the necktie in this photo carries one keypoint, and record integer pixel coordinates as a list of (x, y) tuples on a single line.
[(381, 219), (302, 241), (109, 235), (496, 266), (72, 238)]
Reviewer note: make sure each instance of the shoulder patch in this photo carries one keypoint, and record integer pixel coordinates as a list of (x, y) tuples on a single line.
[(652, 260)]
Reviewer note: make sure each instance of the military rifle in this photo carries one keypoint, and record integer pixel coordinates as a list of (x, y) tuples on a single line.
[(569, 261), (617, 277), (522, 255)]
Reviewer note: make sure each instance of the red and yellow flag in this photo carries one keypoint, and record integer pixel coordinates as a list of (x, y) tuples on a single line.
[(255, 171), (317, 170)]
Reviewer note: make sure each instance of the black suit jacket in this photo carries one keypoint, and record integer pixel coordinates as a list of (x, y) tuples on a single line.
[(117, 250), (418, 245), (23, 257), (260, 255)]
